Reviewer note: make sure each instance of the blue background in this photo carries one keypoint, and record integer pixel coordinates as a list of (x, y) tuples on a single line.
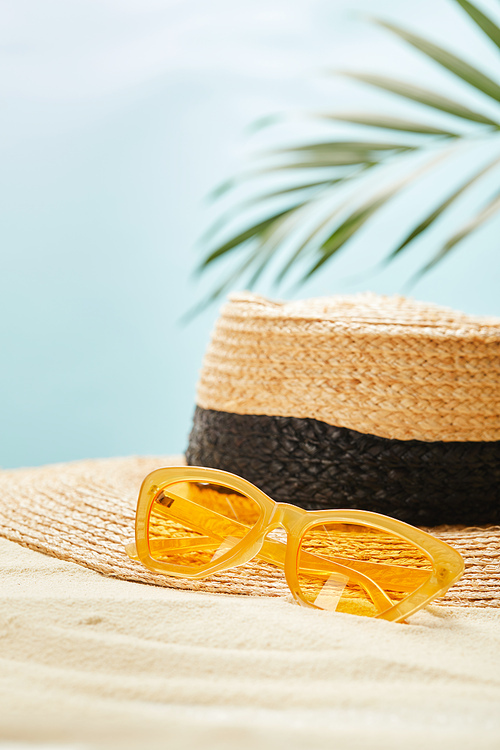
[(118, 117)]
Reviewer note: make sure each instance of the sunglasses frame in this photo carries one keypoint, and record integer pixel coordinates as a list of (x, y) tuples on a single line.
[(447, 563)]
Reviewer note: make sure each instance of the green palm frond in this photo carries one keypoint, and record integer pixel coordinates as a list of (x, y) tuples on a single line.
[(361, 215), (423, 96), (454, 64), (431, 218), (484, 23), (490, 210), (307, 215), (389, 123)]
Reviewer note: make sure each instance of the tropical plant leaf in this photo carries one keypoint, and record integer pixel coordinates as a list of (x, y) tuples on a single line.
[(486, 24), (447, 60), (308, 239), (294, 189), (228, 185), (319, 160), (346, 160), (223, 220), (341, 147), (345, 231), (482, 217), (319, 155), (311, 235), (389, 123), (423, 96), (250, 233), (362, 214), (426, 223), (271, 240), (316, 160), (265, 228), (271, 236), (487, 213), (192, 312)]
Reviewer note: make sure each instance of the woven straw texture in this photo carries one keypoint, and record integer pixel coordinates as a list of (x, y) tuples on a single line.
[(317, 466), (386, 366), (83, 512)]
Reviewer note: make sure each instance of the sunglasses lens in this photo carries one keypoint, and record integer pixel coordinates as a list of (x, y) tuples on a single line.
[(379, 569), (193, 523)]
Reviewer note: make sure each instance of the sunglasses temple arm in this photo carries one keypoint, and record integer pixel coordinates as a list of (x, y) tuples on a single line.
[(131, 550), (167, 545)]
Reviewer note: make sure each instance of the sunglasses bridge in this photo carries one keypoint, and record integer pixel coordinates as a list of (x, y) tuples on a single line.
[(284, 516)]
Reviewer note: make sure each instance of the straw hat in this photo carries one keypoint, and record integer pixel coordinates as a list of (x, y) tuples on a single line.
[(84, 512), (343, 367), (369, 402)]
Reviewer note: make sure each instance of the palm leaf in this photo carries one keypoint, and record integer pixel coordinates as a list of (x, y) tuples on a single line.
[(271, 240), (264, 227), (486, 24), (422, 96), (447, 60), (294, 189), (251, 233), (223, 220), (307, 241), (270, 236), (341, 147), (389, 123), (334, 154), (426, 223), (196, 309), (320, 160), (481, 218), (310, 236), (316, 160), (346, 160), (362, 214), (487, 213), (345, 231)]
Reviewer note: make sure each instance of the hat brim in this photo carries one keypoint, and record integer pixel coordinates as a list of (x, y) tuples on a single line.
[(84, 512)]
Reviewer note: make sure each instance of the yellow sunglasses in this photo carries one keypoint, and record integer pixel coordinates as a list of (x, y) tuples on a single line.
[(193, 521)]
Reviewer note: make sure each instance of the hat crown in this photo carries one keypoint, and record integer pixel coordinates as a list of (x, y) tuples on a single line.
[(386, 366), (391, 312)]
